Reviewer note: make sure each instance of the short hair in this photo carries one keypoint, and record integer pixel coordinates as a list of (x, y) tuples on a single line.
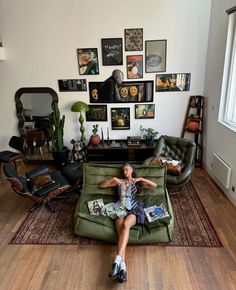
[(128, 164)]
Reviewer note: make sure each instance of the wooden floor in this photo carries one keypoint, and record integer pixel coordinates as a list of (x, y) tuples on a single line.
[(58, 267)]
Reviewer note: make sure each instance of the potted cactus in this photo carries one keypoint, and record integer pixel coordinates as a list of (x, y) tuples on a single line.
[(60, 152), (95, 138)]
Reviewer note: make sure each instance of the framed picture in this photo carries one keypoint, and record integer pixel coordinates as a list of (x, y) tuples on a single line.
[(134, 66), (72, 85), (112, 51), (145, 111), (120, 118), (128, 92), (134, 39), (173, 82), (88, 61), (155, 56), (97, 113)]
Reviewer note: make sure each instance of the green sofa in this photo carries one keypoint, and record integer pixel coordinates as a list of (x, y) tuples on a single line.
[(101, 227)]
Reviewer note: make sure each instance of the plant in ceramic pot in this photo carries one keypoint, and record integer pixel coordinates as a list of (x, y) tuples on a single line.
[(60, 152), (95, 138), (149, 134)]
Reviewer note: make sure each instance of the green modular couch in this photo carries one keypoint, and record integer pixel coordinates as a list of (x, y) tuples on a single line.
[(101, 227)]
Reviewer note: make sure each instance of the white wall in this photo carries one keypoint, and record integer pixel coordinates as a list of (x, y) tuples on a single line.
[(219, 139), (41, 38)]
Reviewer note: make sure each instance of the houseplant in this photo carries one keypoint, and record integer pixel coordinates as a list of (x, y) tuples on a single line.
[(60, 152), (149, 134), (95, 138)]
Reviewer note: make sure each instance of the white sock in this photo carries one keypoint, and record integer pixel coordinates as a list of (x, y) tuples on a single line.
[(123, 266), (118, 260)]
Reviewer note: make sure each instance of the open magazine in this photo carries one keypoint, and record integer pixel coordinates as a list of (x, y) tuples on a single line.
[(156, 212), (95, 206)]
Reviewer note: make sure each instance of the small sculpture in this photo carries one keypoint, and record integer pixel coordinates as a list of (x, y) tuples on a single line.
[(110, 87), (78, 154)]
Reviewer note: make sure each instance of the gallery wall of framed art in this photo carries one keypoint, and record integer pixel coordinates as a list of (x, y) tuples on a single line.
[(137, 57)]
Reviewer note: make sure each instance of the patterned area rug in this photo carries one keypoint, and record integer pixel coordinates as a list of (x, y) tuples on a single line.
[(192, 228)]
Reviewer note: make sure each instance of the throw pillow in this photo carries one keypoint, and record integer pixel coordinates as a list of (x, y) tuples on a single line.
[(158, 160), (41, 181), (172, 168)]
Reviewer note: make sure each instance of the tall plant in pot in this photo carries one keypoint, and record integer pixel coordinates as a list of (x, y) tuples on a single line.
[(60, 152)]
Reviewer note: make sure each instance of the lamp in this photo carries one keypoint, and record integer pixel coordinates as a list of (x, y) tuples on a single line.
[(80, 107)]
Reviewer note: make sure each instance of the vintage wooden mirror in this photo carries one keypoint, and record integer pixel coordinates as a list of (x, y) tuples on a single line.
[(33, 107)]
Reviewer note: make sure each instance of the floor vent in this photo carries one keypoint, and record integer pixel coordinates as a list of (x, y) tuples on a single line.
[(221, 171)]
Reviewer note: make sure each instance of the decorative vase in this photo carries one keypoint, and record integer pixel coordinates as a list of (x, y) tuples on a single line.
[(61, 157), (95, 139), (150, 142)]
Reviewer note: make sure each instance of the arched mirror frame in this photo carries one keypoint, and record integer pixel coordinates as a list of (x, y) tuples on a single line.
[(19, 104)]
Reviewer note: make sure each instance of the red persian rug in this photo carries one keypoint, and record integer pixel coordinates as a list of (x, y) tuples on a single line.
[(192, 226)]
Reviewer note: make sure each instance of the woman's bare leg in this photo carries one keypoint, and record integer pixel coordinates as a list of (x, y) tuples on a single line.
[(123, 234), (119, 223)]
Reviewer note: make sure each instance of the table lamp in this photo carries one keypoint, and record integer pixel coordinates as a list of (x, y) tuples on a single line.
[(80, 107)]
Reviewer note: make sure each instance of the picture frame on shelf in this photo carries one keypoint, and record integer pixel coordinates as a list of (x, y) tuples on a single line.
[(144, 111), (112, 51), (120, 118), (88, 61), (173, 82), (133, 39), (155, 55), (134, 66), (72, 85), (128, 92), (96, 113)]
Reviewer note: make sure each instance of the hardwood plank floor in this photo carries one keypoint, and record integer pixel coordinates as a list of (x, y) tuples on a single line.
[(149, 267)]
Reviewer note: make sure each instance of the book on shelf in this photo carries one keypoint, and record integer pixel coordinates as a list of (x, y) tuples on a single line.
[(156, 212), (95, 206)]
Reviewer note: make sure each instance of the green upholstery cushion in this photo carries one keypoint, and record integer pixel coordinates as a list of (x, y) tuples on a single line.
[(101, 227)]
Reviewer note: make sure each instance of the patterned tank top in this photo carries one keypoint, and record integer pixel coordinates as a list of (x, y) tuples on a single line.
[(126, 192)]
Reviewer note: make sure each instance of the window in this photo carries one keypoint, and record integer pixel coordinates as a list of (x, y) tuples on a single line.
[(227, 112)]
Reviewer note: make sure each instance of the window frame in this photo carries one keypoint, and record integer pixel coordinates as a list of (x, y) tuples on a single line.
[(227, 109)]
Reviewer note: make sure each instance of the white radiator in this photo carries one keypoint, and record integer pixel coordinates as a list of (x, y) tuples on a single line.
[(221, 171)]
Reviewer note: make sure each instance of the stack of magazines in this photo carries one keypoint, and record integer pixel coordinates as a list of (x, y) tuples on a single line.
[(156, 212)]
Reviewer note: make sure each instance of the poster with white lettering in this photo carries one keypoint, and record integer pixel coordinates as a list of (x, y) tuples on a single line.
[(112, 53)]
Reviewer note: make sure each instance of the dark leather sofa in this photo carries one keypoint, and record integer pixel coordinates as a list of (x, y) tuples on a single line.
[(180, 149)]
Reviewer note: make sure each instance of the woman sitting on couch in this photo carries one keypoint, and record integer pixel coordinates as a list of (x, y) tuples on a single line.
[(126, 212)]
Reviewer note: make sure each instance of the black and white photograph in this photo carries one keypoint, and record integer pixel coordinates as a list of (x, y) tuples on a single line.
[(73, 85)]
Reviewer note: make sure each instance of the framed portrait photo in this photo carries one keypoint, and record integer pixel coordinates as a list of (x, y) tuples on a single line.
[(112, 51), (173, 82), (145, 111), (134, 66), (155, 56), (120, 118), (88, 61), (96, 113), (134, 39)]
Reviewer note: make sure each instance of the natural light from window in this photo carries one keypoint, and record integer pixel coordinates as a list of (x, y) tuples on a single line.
[(227, 112)]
